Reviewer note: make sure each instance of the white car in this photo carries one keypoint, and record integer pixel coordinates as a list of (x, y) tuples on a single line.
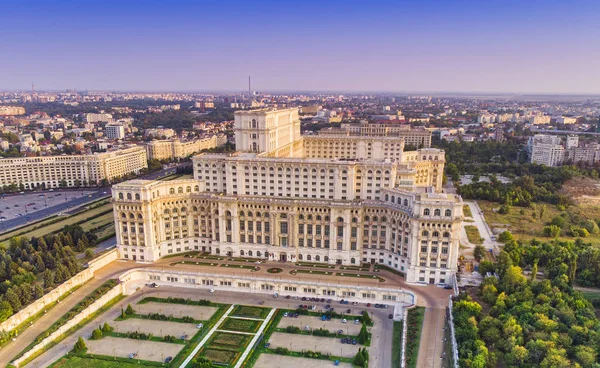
[(344, 320), (200, 325), (211, 291)]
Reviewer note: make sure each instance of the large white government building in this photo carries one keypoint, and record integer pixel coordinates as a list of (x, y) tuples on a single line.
[(287, 197)]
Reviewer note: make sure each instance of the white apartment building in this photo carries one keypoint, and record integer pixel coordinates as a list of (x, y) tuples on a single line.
[(160, 132), (566, 120), (169, 149), (588, 154), (51, 171), (345, 200), (546, 150), (114, 131), (11, 110), (98, 118)]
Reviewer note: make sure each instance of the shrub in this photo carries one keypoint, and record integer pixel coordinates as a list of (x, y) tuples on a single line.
[(504, 209), (281, 351), (129, 310), (107, 328), (551, 231), (80, 346), (293, 329), (505, 236), (366, 319), (187, 319), (97, 334)]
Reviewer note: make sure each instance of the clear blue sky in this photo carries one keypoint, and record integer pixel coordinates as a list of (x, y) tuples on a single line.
[(450, 46)]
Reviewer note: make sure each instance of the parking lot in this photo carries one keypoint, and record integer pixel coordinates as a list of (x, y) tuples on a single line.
[(349, 328), (12, 206), (282, 361), (330, 345), (146, 350), (176, 310)]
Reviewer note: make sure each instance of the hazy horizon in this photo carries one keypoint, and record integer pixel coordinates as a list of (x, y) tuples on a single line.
[(432, 47)]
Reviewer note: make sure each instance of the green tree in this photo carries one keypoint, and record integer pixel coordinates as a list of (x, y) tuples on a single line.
[(6, 310), (505, 236), (89, 254), (80, 346), (363, 336), (129, 310), (13, 299), (551, 231), (542, 211), (97, 334), (479, 252), (107, 328), (366, 319)]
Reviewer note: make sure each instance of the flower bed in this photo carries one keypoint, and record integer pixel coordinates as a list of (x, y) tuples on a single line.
[(274, 270)]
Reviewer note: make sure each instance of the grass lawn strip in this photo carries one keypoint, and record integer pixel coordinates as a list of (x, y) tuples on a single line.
[(88, 361), (246, 267), (362, 276), (397, 344), (241, 325), (230, 339), (250, 312), (467, 211), (473, 234), (251, 348), (220, 356), (313, 272), (413, 335)]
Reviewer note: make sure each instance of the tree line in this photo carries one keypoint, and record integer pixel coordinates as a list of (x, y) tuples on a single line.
[(31, 267), (514, 320)]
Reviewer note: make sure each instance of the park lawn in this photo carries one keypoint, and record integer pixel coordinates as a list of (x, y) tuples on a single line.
[(241, 325), (467, 211), (50, 228), (413, 335), (315, 272), (525, 227), (362, 276), (473, 234), (251, 312), (230, 340), (75, 361), (99, 221)]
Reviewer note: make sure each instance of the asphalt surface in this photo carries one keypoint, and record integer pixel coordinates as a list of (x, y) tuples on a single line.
[(68, 200)]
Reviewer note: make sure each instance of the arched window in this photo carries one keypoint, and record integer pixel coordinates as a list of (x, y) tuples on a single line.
[(426, 212), (180, 190), (406, 202), (171, 190), (241, 213), (254, 147), (308, 258), (318, 258), (340, 219), (166, 212), (258, 254), (437, 212), (139, 216), (326, 259), (123, 215), (241, 253), (448, 213), (425, 233), (435, 234), (218, 251), (188, 189), (300, 257), (128, 195), (197, 188), (120, 195), (131, 215), (227, 213), (253, 123), (300, 217), (250, 253), (137, 196), (446, 234), (387, 198)]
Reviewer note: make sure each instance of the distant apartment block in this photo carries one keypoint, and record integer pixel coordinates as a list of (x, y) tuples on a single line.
[(114, 131), (98, 118), (169, 149), (546, 150), (566, 120), (417, 136), (160, 132), (51, 171), (11, 110)]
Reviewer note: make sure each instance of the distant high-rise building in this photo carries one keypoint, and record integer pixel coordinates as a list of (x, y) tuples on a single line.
[(114, 131), (546, 150)]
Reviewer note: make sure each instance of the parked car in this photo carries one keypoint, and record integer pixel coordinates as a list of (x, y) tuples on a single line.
[(353, 341), (154, 285), (169, 358), (132, 355), (390, 316), (344, 320), (348, 311)]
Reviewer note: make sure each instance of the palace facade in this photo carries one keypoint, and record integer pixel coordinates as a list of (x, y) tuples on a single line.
[(281, 196)]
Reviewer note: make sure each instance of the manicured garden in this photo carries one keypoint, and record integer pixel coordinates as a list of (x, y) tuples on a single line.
[(362, 276), (241, 325), (250, 312), (397, 344)]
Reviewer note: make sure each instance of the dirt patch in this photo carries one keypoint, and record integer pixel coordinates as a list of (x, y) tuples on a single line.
[(582, 190), (282, 361), (146, 350), (315, 323), (325, 345), (176, 310), (156, 328)]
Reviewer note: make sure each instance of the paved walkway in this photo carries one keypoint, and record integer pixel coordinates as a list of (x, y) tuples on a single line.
[(431, 346), (256, 337), (205, 339)]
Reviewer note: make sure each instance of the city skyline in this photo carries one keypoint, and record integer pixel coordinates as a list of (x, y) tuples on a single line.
[(437, 48)]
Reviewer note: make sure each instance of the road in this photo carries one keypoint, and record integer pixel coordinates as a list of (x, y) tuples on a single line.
[(66, 200), (430, 296)]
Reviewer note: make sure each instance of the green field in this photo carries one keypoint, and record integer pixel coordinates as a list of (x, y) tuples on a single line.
[(241, 325), (250, 312), (473, 234), (229, 339), (220, 356), (74, 361), (521, 223), (467, 211), (397, 344)]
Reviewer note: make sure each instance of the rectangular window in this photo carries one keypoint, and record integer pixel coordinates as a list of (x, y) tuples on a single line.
[(283, 227)]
